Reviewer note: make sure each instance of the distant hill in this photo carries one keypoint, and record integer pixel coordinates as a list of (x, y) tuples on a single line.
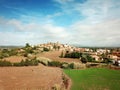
[(10, 47)]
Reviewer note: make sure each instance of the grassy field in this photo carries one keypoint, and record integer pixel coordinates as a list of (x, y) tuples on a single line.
[(94, 79)]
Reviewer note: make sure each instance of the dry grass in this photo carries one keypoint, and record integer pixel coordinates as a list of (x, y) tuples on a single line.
[(29, 78), (15, 58)]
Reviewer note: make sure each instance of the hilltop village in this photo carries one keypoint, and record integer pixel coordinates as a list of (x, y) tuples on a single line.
[(106, 55), (99, 54)]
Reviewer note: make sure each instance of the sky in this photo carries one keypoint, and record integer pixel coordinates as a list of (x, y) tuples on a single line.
[(78, 22)]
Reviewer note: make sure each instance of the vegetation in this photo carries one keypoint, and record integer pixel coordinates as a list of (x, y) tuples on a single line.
[(62, 54), (84, 57), (71, 66), (46, 49), (66, 65), (32, 62), (73, 55), (27, 45), (44, 60), (107, 60), (94, 79), (8, 52), (5, 63), (27, 62), (55, 63)]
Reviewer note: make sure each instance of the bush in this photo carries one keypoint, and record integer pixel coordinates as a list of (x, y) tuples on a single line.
[(62, 54), (67, 55), (73, 55), (13, 52), (45, 49), (25, 54), (29, 50), (5, 63), (32, 62), (44, 60), (107, 60), (65, 65), (17, 64), (55, 63), (71, 65), (84, 60)]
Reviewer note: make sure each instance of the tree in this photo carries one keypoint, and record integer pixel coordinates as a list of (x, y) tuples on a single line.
[(62, 54), (27, 45), (45, 49), (83, 60), (89, 58)]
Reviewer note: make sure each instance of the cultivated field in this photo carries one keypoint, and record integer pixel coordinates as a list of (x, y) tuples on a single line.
[(29, 78), (94, 79), (15, 58), (54, 55)]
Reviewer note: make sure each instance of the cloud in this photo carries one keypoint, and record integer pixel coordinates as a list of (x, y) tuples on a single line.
[(30, 32), (100, 24), (63, 1), (92, 10), (103, 34)]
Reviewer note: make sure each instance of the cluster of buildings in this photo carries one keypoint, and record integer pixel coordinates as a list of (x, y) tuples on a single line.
[(98, 54)]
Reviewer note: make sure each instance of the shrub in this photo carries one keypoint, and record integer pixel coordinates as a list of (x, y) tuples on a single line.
[(62, 54), (25, 55), (44, 60), (89, 58), (65, 65), (107, 60), (55, 63), (17, 64), (73, 55), (67, 55), (83, 60), (29, 50), (71, 65), (5, 63), (45, 49), (13, 52), (32, 62)]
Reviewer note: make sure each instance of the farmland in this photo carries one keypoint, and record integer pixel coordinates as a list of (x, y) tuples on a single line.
[(42, 67), (94, 79), (29, 78)]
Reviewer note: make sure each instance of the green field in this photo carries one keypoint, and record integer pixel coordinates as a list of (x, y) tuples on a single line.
[(94, 79)]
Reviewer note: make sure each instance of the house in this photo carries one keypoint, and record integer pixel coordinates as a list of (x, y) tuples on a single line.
[(97, 58), (116, 62), (114, 57)]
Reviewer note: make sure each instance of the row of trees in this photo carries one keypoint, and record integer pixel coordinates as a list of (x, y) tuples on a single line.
[(84, 57)]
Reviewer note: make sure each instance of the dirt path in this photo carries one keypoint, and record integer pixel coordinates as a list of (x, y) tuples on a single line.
[(29, 78)]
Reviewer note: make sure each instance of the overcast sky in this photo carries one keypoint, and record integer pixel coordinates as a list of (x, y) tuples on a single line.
[(81, 22)]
